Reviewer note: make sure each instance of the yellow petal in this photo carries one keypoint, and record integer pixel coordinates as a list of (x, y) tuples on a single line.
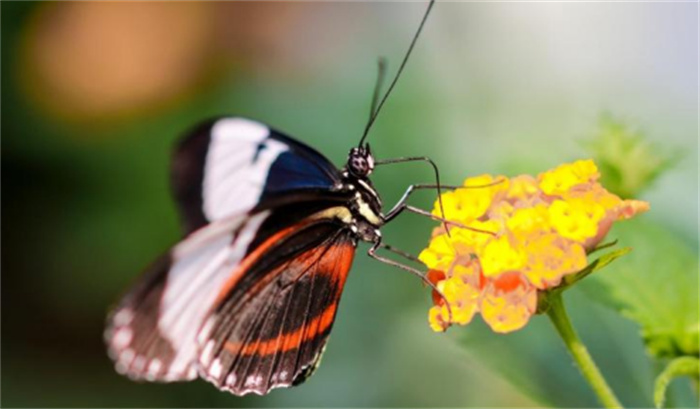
[(438, 318), (541, 230), (501, 211), (469, 272), (468, 204), (472, 241), (486, 181), (508, 311), (559, 180), (522, 187), (529, 220), (462, 207), (576, 219), (450, 203), (550, 258), (463, 299), (630, 208), (439, 254), (593, 192), (499, 255)]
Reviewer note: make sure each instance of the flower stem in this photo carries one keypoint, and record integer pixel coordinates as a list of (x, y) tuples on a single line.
[(560, 319)]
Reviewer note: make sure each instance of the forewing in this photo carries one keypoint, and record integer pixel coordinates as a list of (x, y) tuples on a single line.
[(239, 184), (233, 165), (273, 321), (152, 333)]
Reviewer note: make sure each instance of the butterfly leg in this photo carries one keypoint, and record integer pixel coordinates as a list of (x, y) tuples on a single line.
[(422, 212), (401, 253), (372, 252), (402, 205), (437, 185)]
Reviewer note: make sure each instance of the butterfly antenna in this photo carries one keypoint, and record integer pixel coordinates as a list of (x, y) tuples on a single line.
[(381, 75), (375, 112)]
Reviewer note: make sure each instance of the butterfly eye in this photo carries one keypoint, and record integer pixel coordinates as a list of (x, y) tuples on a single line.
[(360, 162)]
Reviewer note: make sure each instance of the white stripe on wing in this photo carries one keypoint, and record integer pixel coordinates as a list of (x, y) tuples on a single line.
[(236, 168), (194, 282)]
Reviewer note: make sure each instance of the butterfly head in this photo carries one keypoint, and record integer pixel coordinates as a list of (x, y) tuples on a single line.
[(360, 161)]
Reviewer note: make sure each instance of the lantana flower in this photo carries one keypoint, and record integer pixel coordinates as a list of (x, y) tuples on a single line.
[(541, 231)]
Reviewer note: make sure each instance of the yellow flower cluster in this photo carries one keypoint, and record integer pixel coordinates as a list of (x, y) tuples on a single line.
[(542, 229)]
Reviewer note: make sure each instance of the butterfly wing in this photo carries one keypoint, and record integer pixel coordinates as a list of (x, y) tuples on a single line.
[(275, 313), (231, 165), (247, 323), (237, 183), (151, 334)]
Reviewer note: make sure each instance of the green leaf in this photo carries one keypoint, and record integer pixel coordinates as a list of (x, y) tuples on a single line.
[(683, 366), (656, 282), (656, 286), (596, 265), (602, 247), (570, 280), (628, 162), (537, 363)]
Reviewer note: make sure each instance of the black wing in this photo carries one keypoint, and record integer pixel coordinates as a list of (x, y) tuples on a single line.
[(247, 323), (151, 334), (274, 318), (238, 183), (230, 165)]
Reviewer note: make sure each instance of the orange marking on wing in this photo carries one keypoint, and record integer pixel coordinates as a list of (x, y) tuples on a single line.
[(288, 341), (237, 273), (337, 262)]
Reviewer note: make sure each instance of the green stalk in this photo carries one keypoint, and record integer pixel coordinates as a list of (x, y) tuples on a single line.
[(681, 366), (557, 314)]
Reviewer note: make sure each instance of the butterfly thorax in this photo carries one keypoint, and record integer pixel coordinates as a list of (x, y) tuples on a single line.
[(364, 208), (365, 205)]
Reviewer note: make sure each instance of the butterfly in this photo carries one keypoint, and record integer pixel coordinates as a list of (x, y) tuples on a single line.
[(247, 299)]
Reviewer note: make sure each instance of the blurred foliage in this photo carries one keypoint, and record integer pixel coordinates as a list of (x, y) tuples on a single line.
[(683, 366), (86, 202), (629, 163), (536, 361), (657, 287)]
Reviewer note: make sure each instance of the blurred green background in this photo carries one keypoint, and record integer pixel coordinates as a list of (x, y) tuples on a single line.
[(94, 95)]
